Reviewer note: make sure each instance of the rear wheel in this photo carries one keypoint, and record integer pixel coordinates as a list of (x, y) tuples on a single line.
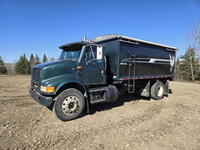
[(69, 104), (157, 90)]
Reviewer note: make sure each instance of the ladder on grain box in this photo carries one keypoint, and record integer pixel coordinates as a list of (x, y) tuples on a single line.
[(131, 73)]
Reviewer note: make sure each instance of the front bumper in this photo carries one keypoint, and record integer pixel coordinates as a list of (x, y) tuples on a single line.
[(43, 100)]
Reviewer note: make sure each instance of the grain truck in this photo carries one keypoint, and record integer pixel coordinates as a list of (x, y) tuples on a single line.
[(97, 70)]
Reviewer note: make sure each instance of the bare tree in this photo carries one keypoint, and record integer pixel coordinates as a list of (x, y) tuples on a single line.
[(191, 67), (10, 68), (195, 35)]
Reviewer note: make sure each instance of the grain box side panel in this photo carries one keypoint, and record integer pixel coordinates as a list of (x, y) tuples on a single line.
[(150, 60)]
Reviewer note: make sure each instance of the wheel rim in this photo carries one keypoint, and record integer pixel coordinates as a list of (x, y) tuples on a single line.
[(160, 91), (71, 105)]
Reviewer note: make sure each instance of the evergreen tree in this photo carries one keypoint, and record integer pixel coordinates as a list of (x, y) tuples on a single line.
[(52, 59), (22, 65), (3, 69), (31, 62), (37, 60), (44, 58), (189, 65)]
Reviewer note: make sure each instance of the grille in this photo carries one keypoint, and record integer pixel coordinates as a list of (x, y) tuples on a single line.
[(36, 74)]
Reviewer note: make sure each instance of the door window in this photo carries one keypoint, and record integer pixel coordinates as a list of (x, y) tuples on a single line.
[(90, 53)]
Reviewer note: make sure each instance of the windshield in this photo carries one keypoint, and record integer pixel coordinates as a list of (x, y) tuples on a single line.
[(70, 55)]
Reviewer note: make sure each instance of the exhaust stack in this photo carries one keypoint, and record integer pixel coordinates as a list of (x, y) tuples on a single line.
[(84, 38)]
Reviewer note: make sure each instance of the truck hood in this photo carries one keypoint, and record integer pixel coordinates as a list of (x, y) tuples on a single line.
[(50, 63), (57, 68)]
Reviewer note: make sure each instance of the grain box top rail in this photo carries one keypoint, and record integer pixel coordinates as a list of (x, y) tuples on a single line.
[(108, 37)]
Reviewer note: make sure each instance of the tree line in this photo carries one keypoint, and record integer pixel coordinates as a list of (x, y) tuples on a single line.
[(23, 65), (188, 65)]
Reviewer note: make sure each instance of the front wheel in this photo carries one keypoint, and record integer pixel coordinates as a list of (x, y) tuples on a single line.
[(69, 104), (157, 90)]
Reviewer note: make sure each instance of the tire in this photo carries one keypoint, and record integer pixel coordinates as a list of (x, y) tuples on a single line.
[(157, 90), (69, 105)]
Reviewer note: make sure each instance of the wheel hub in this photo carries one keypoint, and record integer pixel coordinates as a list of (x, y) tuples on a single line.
[(70, 105)]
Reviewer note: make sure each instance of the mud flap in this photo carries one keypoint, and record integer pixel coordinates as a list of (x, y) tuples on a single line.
[(166, 88), (87, 103), (146, 90)]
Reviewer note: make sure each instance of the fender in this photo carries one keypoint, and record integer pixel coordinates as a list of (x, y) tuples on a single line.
[(60, 81), (68, 80)]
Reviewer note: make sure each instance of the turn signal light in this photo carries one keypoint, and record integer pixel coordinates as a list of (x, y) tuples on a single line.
[(79, 67), (50, 89)]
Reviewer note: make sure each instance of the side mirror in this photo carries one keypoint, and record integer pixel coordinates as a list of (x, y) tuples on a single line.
[(99, 52)]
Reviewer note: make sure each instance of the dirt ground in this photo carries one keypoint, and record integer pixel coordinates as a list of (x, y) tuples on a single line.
[(130, 123)]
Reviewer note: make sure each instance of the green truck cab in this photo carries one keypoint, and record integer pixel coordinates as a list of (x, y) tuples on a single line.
[(94, 71), (64, 82)]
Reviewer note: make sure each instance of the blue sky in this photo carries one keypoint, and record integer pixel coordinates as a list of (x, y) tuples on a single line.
[(41, 26)]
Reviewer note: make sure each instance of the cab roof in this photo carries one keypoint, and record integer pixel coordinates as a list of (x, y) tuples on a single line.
[(74, 45)]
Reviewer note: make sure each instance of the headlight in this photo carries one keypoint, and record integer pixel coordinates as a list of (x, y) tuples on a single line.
[(47, 89)]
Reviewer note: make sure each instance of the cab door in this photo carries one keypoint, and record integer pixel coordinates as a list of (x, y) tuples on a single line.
[(93, 66)]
